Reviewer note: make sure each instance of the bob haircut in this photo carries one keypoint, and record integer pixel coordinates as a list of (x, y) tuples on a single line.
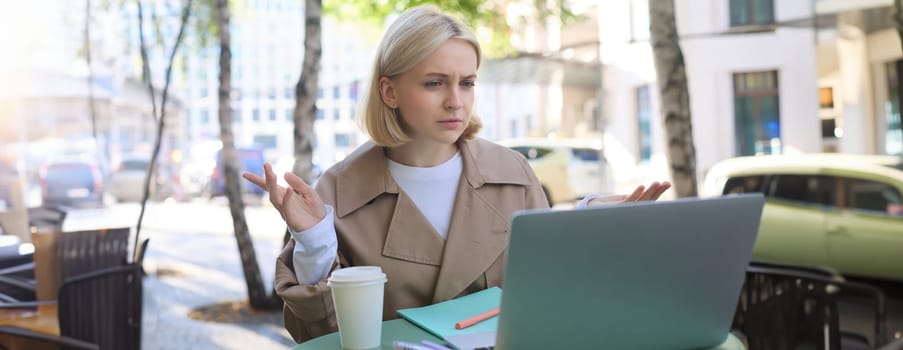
[(409, 40)]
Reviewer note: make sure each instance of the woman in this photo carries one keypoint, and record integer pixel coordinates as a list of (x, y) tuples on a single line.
[(425, 200)]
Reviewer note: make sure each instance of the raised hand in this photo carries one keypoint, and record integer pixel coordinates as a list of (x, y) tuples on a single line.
[(641, 193), (299, 204)]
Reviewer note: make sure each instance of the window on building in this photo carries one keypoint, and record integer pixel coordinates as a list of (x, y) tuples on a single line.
[(342, 140), (255, 115), (826, 97), (336, 114), (893, 139), (236, 115), (751, 12), (644, 122), (205, 117), (757, 124), (272, 114), (319, 114), (353, 90), (289, 92), (320, 93), (828, 128), (290, 114), (336, 92), (265, 141)]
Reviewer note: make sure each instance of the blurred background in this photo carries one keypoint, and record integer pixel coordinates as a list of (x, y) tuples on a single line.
[(87, 117)]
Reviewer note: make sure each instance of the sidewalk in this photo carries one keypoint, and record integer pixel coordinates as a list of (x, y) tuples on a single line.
[(186, 271)]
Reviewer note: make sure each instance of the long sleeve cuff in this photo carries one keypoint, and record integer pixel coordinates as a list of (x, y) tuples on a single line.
[(585, 202), (315, 250)]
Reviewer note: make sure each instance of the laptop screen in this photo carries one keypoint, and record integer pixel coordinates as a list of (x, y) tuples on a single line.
[(647, 275)]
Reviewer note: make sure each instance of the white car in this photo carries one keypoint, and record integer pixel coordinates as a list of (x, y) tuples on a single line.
[(126, 184), (567, 169)]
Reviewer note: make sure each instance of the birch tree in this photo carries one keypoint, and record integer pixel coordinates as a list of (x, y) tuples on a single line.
[(158, 113), (674, 96), (257, 293), (306, 92)]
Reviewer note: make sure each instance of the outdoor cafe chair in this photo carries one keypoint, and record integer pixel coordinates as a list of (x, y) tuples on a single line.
[(101, 309), (784, 307), (46, 218), (15, 338), (71, 254)]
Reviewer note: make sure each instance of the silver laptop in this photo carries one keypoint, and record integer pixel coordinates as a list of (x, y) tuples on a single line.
[(648, 275)]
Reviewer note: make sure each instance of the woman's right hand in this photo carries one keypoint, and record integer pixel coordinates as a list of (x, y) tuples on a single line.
[(299, 205)]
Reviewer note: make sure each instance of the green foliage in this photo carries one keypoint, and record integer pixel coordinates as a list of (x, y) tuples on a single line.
[(204, 29), (488, 17)]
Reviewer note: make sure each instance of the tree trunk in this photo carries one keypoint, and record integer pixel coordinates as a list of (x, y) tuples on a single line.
[(161, 119), (306, 92), (675, 97), (898, 21), (91, 108), (257, 295)]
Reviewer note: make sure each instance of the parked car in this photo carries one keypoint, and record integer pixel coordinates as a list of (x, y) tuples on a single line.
[(71, 182), (250, 159), (834, 210), (567, 169), (126, 183)]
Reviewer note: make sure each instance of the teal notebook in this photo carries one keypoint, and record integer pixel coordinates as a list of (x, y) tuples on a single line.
[(439, 319)]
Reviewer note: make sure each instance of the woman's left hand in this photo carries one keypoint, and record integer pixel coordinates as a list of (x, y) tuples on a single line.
[(641, 193)]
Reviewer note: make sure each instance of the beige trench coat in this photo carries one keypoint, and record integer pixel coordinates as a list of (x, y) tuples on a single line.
[(378, 224)]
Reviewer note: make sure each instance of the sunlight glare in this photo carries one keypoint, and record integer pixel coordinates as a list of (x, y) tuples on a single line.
[(23, 30)]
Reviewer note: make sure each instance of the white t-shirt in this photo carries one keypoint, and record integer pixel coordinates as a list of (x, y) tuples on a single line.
[(431, 189)]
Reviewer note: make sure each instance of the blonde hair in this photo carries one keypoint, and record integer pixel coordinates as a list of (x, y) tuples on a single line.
[(409, 40)]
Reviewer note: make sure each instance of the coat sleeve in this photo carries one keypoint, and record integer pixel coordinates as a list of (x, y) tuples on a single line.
[(308, 310)]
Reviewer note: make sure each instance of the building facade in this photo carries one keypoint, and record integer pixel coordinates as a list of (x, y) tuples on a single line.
[(267, 53), (764, 76)]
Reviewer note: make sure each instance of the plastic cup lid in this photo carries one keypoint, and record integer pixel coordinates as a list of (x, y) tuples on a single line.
[(357, 274)]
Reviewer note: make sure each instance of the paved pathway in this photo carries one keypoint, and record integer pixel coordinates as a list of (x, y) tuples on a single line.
[(186, 271)]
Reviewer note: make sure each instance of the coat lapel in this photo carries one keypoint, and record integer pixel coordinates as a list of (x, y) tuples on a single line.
[(478, 233), (470, 248), (354, 190), (411, 237)]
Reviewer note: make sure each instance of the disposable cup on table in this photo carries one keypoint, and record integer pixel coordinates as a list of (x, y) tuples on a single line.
[(357, 293)]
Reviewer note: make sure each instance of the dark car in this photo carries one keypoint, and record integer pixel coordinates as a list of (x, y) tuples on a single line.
[(71, 182), (250, 159)]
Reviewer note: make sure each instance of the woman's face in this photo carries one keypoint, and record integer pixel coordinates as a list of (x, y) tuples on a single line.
[(435, 97)]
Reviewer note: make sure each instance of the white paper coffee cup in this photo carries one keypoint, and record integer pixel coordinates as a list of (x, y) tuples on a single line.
[(357, 293)]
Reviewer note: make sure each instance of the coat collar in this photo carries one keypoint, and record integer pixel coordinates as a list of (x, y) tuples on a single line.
[(480, 159), (478, 232)]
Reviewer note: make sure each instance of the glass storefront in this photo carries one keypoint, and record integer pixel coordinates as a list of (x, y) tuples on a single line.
[(893, 139), (757, 122)]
